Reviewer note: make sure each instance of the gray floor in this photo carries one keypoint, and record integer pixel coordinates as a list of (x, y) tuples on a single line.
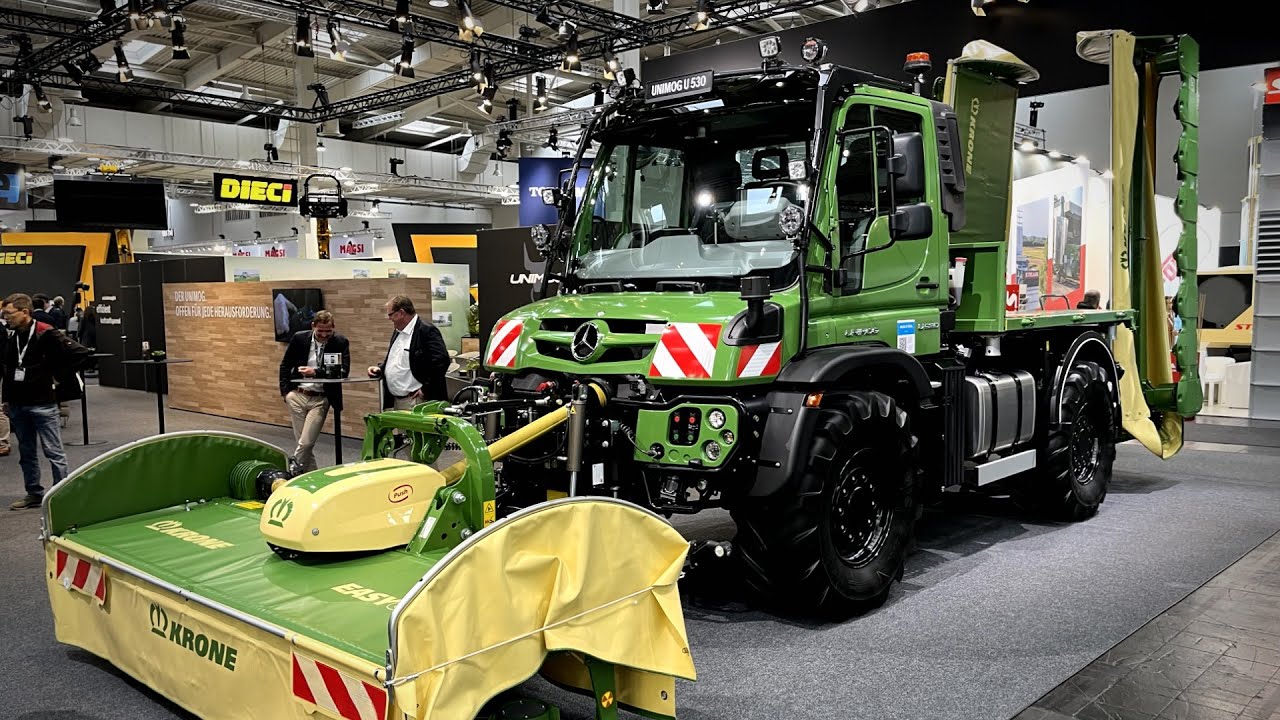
[(995, 610)]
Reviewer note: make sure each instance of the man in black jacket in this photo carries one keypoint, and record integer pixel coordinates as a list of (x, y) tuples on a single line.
[(36, 359), (413, 371), (312, 353)]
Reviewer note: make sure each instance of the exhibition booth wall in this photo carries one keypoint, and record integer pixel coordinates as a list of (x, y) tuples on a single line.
[(228, 331)]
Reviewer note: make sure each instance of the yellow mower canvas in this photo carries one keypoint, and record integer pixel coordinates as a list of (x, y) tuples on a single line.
[(180, 559)]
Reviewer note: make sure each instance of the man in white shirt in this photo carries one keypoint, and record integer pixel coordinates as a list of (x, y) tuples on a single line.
[(416, 361)]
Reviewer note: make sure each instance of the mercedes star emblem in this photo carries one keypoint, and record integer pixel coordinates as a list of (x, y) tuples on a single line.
[(585, 341)]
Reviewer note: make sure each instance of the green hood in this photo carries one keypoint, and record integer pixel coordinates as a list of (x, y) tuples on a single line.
[(668, 337)]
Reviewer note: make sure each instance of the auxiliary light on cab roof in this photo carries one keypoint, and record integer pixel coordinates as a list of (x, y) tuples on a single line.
[(813, 50)]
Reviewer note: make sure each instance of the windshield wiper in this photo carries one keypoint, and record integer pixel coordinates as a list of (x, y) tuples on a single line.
[(694, 287), (613, 286)]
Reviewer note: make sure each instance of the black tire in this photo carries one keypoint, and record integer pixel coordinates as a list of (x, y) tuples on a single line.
[(794, 548), (1076, 458)]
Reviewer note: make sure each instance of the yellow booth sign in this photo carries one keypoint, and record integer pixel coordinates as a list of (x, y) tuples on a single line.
[(255, 190)]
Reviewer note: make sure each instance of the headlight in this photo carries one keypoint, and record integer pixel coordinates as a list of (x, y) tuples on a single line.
[(548, 196), (790, 220), (770, 47), (727, 437), (711, 450), (813, 50), (715, 419), (539, 234)]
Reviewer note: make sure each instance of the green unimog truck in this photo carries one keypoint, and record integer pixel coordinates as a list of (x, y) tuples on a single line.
[(790, 281)]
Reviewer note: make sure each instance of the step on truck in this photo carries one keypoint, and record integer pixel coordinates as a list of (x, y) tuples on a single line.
[(790, 282)]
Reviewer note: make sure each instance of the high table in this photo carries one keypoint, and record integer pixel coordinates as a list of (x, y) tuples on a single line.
[(84, 406), (159, 395), (337, 414)]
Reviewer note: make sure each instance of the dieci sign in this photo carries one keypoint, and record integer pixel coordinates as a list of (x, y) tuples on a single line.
[(678, 87), (255, 190)]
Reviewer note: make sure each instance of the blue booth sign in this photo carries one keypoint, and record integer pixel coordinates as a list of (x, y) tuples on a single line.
[(538, 174)]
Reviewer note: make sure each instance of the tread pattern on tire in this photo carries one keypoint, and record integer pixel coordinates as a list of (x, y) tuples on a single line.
[(1087, 389), (780, 543)]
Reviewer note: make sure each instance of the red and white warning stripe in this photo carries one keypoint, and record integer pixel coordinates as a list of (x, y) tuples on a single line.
[(686, 350), (503, 343), (760, 360), (335, 693), (79, 574)]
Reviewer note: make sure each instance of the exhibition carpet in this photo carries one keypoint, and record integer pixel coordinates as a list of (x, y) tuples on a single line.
[(994, 612), (1237, 431)]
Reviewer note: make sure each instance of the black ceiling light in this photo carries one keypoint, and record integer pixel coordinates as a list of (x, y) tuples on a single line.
[(701, 18), (106, 6), (24, 44), (55, 163), (273, 155), (322, 94), (124, 73), (540, 94), (179, 37), (657, 7), (140, 19), (469, 26), (76, 74), (504, 143), (401, 19), (553, 139), (27, 125), (545, 17), (486, 99), (89, 63), (611, 63), (41, 99), (597, 93), (476, 64), (566, 28), (513, 107), (160, 9), (395, 162), (302, 37), (572, 58), (338, 47), (404, 67)]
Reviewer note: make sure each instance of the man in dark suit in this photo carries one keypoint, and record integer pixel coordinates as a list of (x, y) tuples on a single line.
[(307, 356), (413, 371)]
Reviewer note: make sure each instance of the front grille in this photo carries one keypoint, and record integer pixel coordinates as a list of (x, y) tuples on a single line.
[(629, 353), (637, 327)]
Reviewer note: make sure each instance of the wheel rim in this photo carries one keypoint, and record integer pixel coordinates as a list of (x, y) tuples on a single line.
[(1086, 449), (861, 510)]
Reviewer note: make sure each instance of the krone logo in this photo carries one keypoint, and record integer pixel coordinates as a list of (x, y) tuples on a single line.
[(280, 512), (159, 620)]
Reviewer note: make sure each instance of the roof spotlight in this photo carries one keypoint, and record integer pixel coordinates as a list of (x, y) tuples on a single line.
[(813, 50)]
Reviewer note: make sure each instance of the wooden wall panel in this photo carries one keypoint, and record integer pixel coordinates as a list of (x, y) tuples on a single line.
[(227, 331)]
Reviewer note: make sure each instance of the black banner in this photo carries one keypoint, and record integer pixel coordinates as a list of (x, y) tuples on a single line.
[(271, 192), (50, 270), (508, 275)]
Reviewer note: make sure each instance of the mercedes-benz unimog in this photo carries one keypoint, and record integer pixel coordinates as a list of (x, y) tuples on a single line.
[(789, 282)]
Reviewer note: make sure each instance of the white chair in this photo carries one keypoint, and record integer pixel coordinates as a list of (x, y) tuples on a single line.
[(1235, 385), (1212, 372)]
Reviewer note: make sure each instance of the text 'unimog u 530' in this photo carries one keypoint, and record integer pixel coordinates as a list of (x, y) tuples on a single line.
[(790, 283)]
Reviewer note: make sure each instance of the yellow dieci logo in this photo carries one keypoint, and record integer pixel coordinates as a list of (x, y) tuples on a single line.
[(280, 512), (17, 258), (249, 190)]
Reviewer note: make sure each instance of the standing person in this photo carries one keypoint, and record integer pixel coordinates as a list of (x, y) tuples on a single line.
[(413, 371), (36, 356), (40, 309), (88, 336), (309, 403), (59, 313)]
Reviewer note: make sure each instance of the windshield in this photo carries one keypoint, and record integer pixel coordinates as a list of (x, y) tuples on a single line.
[(694, 198)]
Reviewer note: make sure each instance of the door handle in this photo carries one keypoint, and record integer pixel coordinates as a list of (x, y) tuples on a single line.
[(925, 284)]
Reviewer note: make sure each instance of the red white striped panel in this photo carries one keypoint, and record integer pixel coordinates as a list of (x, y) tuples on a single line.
[(760, 360), (336, 693), (503, 343), (686, 350), (76, 573)]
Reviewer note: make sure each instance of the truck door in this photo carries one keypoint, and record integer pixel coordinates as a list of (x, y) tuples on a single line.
[(908, 275)]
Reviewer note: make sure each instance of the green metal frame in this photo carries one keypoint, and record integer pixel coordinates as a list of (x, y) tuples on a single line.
[(458, 508), (1172, 55)]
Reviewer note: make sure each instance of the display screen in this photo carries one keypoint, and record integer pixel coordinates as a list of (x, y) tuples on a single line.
[(111, 204), (293, 309)]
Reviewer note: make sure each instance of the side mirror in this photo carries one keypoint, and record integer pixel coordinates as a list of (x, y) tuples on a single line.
[(910, 222), (906, 165)]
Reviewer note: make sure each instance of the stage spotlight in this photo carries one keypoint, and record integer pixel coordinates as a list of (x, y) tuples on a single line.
[(469, 26), (395, 163), (540, 94), (572, 58), (338, 47), (302, 37), (401, 19), (179, 38), (404, 68), (322, 94), (701, 18), (124, 73), (611, 64)]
